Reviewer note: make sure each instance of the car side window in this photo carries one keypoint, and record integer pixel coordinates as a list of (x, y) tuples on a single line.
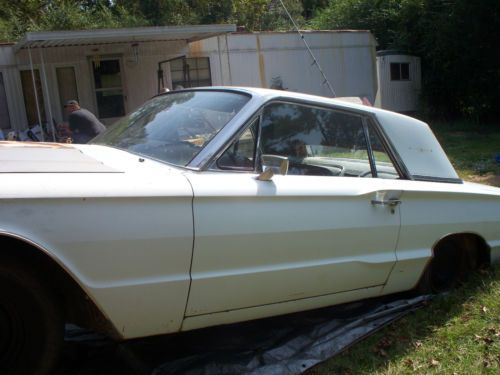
[(241, 154), (383, 164), (316, 141)]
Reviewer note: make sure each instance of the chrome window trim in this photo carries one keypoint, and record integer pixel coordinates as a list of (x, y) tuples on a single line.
[(194, 164), (373, 124), (213, 167), (396, 159), (371, 156), (227, 134), (438, 179), (258, 112)]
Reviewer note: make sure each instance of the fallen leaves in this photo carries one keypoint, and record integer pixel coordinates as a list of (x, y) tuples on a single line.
[(414, 365), (489, 336), (383, 344), (434, 362)]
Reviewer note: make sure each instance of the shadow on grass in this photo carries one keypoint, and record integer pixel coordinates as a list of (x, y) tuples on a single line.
[(390, 345)]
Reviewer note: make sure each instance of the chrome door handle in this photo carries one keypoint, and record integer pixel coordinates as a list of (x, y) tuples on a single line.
[(389, 202)]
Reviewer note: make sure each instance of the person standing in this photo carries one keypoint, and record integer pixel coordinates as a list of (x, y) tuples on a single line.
[(83, 124)]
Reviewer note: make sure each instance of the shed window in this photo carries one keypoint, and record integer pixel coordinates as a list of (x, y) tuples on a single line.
[(400, 71), (191, 72), (108, 86)]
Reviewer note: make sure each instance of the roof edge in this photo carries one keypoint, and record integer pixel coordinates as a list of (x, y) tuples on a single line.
[(30, 38)]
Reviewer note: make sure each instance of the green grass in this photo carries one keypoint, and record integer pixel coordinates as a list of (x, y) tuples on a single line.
[(457, 333), (472, 153)]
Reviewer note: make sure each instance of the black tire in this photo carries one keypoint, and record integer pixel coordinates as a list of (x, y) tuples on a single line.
[(31, 322), (445, 269)]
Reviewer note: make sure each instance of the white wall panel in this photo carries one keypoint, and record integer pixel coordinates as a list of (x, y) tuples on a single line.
[(347, 58)]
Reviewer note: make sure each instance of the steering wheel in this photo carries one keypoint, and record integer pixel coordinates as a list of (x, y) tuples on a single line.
[(365, 173)]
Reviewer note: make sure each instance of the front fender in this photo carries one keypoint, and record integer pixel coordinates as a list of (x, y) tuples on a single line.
[(130, 255)]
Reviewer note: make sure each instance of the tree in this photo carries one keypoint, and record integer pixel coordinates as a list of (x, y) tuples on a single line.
[(457, 40), (17, 18), (276, 17)]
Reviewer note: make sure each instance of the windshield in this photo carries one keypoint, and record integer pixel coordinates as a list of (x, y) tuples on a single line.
[(174, 127)]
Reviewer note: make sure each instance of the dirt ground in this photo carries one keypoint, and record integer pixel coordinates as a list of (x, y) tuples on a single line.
[(489, 179)]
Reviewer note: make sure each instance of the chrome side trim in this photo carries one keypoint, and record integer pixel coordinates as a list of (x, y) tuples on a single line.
[(285, 301)]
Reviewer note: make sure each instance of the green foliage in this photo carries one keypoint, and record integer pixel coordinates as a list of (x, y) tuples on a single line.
[(167, 12), (456, 39), (460, 48), (276, 17), (249, 13), (311, 7), (17, 18), (390, 21), (262, 15)]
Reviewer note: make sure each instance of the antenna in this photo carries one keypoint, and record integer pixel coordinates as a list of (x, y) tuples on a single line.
[(315, 62)]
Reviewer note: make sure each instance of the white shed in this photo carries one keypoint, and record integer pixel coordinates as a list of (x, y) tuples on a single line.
[(399, 81), (281, 60)]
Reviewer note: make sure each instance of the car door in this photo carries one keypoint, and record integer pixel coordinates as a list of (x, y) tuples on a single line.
[(325, 227)]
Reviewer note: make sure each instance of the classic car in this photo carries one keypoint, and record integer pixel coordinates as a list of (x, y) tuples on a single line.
[(218, 205)]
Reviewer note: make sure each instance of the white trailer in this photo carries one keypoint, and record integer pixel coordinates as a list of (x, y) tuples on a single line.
[(111, 72), (281, 60)]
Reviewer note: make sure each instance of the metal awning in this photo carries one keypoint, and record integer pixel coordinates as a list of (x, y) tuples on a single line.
[(46, 39)]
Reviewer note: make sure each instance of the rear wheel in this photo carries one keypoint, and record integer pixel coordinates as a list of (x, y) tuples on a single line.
[(450, 264), (446, 267), (31, 322)]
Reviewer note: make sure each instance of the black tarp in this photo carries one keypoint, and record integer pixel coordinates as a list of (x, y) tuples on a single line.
[(289, 344)]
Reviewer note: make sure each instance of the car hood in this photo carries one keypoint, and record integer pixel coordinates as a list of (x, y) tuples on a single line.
[(21, 157), (51, 170)]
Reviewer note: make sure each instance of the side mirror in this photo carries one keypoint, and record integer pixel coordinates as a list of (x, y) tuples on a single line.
[(271, 165)]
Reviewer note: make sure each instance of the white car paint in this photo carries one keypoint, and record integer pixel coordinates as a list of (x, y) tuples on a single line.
[(254, 244), (125, 237), (416, 145), (161, 249)]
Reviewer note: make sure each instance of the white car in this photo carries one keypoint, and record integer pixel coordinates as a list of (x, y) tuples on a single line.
[(219, 205)]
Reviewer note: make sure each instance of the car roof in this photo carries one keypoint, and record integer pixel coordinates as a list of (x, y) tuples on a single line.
[(411, 140)]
